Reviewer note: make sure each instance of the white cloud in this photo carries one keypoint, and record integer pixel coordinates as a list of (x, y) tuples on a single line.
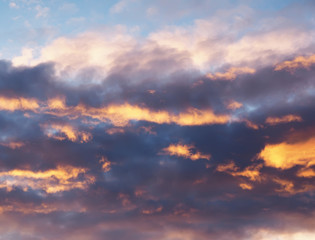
[(87, 50), (25, 58), (13, 5), (119, 7), (41, 11), (227, 39), (216, 42), (273, 235)]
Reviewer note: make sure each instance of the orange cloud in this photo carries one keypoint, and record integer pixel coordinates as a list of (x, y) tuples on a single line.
[(51, 181), (231, 73), (56, 103), (106, 165), (229, 167), (14, 104), (250, 172), (298, 62), (306, 173), (284, 119), (246, 186), (62, 132), (120, 115), (287, 155), (185, 151), (234, 105), (286, 186)]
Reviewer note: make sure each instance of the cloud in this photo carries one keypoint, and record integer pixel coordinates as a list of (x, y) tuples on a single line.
[(13, 104), (62, 132), (41, 11), (251, 172), (247, 52), (211, 45), (231, 73), (287, 155), (186, 151), (88, 50), (50, 181), (298, 62), (119, 7), (118, 115), (13, 5), (283, 119), (107, 133), (234, 105), (25, 58)]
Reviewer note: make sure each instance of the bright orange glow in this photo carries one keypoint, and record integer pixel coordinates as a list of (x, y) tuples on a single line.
[(14, 104), (50, 181), (306, 173), (56, 103), (106, 165), (195, 117), (62, 132), (229, 167), (284, 119), (286, 186), (250, 172), (299, 62), (287, 155), (232, 73), (120, 115), (234, 105), (246, 186), (185, 151)]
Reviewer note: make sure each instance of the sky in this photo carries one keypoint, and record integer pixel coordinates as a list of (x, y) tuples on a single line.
[(157, 120)]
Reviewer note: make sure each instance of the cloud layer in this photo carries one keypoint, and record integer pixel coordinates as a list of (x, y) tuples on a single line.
[(199, 131)]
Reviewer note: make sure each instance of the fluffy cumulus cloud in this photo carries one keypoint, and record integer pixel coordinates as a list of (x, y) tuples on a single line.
[(203, 130)]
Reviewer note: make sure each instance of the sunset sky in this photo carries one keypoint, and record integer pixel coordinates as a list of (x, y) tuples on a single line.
[(157, 120)]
